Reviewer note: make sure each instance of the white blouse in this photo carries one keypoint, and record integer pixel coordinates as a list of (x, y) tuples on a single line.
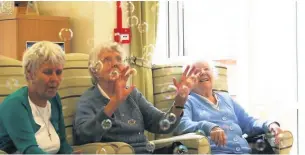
[(47, 144)]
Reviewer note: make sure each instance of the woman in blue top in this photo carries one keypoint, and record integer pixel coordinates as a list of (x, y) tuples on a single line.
[(31, 119), (221, 119)]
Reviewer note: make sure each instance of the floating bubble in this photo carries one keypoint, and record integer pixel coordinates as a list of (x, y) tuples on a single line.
[(183, 91), (148, 51), (11, 83), (106, 124), (150, 147), (129, 8), (131, 71), (165, 124), (132, 21), (260, 145), (180, 149), (7, 7), (169, 92), (143, 27), (96, 66), (172, 118), (65, 34), (114, 74)]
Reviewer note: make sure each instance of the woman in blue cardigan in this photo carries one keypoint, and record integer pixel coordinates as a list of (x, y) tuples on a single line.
[(31, 119), (221, 119)]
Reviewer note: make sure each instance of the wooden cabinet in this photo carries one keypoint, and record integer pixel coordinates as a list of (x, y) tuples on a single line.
[(16, 30)]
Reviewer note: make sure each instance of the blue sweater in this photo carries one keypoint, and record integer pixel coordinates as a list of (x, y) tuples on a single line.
[(231, 117), (129, 121), (18, 127)]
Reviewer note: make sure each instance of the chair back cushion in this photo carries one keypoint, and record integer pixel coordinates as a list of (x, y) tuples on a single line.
[(76, 80), (11, 76)]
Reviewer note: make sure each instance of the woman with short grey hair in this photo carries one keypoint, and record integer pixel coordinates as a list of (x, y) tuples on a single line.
[(31, 120)]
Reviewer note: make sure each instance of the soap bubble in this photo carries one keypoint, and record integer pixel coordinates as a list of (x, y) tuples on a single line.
[(180, 149), (143, 27), (150, 146), (114, 74), (132, 21), (12, 83), (260, 145), (106, 124), (165, 124), (169, 92), (172, 118), (65, 34), (183, 91)]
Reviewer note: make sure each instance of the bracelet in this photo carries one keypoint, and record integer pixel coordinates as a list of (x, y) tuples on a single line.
[(179, 107)]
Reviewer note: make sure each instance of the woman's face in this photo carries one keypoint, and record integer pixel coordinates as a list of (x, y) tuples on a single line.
[(46, 80), (206, 77), (110, 60)]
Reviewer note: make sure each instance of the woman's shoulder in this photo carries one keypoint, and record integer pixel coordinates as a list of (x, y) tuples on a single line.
[(16, 98)]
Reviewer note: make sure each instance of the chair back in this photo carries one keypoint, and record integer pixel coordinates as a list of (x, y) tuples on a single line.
[(76, 80), (11, 76)]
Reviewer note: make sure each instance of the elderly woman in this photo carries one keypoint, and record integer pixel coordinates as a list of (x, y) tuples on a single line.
[(221, 119), (31, 120), (112, 112)]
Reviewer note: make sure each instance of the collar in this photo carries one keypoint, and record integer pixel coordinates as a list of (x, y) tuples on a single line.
[(102, 92)]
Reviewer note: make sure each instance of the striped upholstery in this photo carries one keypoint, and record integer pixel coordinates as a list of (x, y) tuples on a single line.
[(76, 80), (11, 76)]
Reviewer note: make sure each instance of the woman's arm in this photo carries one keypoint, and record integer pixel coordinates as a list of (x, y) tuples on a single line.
[(16, 122)]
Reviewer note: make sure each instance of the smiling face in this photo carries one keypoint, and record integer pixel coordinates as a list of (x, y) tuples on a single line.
[(46, 80), (206, 77)]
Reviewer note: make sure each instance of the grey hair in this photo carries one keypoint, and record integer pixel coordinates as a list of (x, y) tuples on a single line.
[(40, 53), (94, 59)]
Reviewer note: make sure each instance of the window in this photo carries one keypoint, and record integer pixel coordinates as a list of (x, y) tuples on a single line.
[(259, 35)]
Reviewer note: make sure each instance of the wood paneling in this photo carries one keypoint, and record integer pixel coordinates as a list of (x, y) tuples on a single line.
[(16, 30)]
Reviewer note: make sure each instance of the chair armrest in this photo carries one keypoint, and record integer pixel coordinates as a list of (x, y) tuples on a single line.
[(195, 143), (95, 148), (285, 145), (2, 152), (122, 148)]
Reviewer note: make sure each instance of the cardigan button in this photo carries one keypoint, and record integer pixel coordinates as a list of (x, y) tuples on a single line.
[(224, 118)]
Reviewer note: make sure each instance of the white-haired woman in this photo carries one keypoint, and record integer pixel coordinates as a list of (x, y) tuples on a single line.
[(220, 118), (31, 119), (111, 112)]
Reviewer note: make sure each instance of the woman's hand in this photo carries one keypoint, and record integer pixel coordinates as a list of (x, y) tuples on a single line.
[(189, 80), (218, 136), (276, 131), (120, 89)]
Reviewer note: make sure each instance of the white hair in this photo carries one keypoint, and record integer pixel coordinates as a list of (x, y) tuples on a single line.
[(40, 53), (193, 61), (95, 53)]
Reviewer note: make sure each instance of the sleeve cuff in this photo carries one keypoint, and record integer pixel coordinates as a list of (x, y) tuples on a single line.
[(267, 124), (207, 127)]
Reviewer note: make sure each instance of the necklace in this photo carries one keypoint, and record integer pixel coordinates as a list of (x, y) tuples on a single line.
[(47, 124)]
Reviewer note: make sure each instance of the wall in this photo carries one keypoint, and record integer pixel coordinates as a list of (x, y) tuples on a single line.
[(91, 22)]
